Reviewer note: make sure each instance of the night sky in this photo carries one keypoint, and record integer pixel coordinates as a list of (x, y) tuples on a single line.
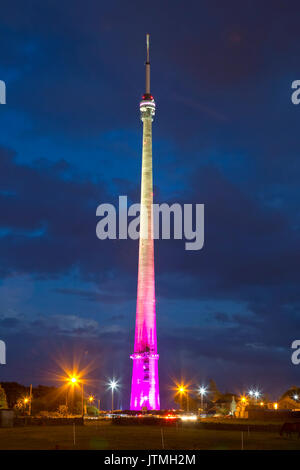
[(225, 134)]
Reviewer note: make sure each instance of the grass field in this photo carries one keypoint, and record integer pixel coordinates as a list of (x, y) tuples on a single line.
[(111, 437)]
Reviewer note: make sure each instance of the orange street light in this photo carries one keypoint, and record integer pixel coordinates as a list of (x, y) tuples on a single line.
[(182, 389), (26, 402), (91, 398), (275, 406), (74, 380)]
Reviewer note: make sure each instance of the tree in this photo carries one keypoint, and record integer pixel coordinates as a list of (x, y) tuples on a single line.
[(92, 411), (213, 391), (291, 393), (3, 400), (19, 406), (44, 398), (14, 392), (63, 410)]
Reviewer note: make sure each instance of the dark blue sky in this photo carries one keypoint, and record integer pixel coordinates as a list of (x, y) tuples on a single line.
[(226, 134)]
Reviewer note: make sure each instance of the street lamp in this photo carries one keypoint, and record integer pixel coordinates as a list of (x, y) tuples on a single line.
[(182, 390), (112, 385), (91, 398), (26, 402), (202, 392), (74, 380), (296, 397), (254, 393)]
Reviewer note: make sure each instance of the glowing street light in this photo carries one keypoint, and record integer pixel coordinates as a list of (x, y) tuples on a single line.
[(112, 385), (296, 397), (254, 393), (275, 406), (202, 391), (74, 380), (91, 398), (27, 401), (181, 389)]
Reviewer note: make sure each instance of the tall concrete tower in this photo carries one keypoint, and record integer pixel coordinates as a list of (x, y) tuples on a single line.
[(145, 386)]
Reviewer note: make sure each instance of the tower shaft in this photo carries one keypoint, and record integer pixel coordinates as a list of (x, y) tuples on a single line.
[(145, 386)]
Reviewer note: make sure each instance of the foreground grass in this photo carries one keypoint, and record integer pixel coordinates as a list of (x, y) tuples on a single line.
[(111, 437)]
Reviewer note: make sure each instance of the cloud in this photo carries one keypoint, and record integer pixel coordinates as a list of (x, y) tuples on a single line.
[(53, 219), (109, 296), (9, 322)]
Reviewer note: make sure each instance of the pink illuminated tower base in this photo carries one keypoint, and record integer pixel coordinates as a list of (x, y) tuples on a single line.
[(145, 386)]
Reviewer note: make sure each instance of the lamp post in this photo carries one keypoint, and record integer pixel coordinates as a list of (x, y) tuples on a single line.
[(243, 400), (181, 391), (74, 381), (82, 400), (112, 385), (26, 400), (202, 392), (30, 400), (254, 394), (91, 399)]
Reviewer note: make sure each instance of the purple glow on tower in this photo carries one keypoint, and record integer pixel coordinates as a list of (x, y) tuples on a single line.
[(145, 386)]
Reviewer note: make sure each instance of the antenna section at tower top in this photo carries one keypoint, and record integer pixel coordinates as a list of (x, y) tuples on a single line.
[(147, 43), (148, 65)]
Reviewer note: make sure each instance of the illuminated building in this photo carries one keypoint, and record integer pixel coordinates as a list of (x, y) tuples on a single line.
[(145, 386)]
